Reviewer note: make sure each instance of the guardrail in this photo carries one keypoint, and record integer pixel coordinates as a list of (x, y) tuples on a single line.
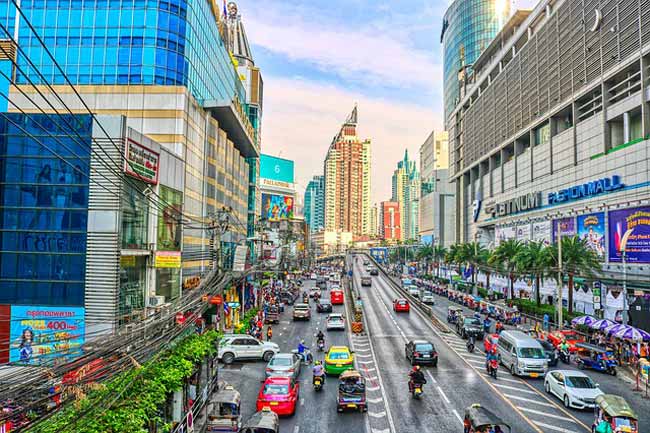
[(354, 306)]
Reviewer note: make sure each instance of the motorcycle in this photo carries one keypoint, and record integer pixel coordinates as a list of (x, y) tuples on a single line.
[(492, 367), (565, 356), (318, 383), (416, 390), (470, 344), (321, 345)]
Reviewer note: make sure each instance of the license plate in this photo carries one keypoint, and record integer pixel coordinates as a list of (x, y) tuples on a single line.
[(351, 405), (339, 365), (274, 403), (426, 356), (534, 375)]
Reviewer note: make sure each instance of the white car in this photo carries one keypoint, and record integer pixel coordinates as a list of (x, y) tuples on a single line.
[(428, 299), (315, 291), (414, 291), (241, 346), (335, 322), (574, 388)]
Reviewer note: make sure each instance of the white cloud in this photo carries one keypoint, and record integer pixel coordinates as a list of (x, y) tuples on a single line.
[(301, 117), (375, 55)]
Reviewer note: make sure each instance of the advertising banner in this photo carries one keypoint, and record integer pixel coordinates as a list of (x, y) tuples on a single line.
[(542, 232), (504, 233), (42, 335), (141, 162), (239, 262), (277, 207), (637, 249), (591, 228), (523, 232), (565, 226), (274, 168), (168, 259)]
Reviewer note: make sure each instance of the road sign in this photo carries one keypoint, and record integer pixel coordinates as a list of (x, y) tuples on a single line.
[(216, 300)]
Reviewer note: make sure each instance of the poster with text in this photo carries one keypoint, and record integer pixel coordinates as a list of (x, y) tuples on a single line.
[(591, 229), (637, 249), (45, 335), (277, 207), (542, 232), (523, 232), (565, 226), (504, 233)]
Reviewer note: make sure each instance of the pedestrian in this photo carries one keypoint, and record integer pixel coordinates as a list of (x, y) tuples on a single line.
[(269, 333), (643, 352)]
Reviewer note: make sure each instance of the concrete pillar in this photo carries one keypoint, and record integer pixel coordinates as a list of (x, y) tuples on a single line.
[(645, 89), (551, 125), (574, 113), (531, 138), (626, 127), (606, 128), (491, 167)]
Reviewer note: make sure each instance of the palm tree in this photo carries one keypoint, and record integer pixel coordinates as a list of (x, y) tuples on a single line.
[(453, 255), (438, 256), (503, 258), (424, 253), (483, 264), (535, 259), (577, 260), (472, 253)]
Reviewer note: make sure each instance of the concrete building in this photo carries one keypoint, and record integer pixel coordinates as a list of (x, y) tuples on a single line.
[(406, 192), (551, 138), (330, 242), (315, 204), (374, 220), (437, 194), (347, 181), (390, 227), (468, 27)]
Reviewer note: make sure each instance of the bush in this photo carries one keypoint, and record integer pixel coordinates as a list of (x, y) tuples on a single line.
[(531, 308), (242, 327)]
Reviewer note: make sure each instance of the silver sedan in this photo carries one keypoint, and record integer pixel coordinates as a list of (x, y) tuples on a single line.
[(284, 365)]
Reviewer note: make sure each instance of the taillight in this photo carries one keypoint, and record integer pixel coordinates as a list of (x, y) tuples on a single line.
[(291, 370), (268, 370), (417, 354)]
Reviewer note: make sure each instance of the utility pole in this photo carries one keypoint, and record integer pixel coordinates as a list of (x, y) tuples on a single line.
[(220, 222), (560, 279), (623, 251)]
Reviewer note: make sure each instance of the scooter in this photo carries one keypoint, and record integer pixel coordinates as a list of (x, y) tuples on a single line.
[(492, 367), (321, 345), (416, 390), (470, 344), (565, 356), (318, 383)]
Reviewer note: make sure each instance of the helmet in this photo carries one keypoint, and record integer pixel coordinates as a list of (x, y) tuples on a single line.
[(494, 350), (302, 341), (317, 363), (416, 368)]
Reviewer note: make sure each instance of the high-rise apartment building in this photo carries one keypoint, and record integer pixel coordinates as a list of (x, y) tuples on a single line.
[(374, 220), (314, 209), (347, 181), (390, 228), (406, 192)]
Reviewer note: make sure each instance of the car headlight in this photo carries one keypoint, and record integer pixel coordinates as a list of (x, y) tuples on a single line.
[(521, 364)]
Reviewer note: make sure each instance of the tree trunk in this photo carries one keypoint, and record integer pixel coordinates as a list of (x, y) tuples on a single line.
[(538, 298), (487, 282), (512, 286), (570, 299)]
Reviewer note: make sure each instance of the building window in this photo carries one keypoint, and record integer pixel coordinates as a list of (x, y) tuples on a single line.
[(135, 215), (169, 224), (133, 272)]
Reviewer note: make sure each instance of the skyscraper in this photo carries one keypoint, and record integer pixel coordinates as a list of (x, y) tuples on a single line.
[(406, 192), (315, 204), (389, 221), (347, 181), (374, 220)]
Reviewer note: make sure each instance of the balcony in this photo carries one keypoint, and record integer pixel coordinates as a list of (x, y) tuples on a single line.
[(232, 118)]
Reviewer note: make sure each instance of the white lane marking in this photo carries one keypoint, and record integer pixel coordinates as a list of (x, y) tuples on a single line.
[(366, 362), (372, 388), (302, 402), (458, 416), (362, 356), (296, 429), (482, 358), (476, 361), (374, 400), (442, 393), (554, 428), (529, 400), (525, 391), (367, 370), (433, 379), (505, 379), (361, 350), (381, 414), (385, 430), (371, 378), (546, 414)]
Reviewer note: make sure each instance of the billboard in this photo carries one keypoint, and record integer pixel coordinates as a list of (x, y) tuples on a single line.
[(638, 243), (565, 226), (504, 233), (277, 207), (380, 254), (523, 232), (542, 232), (41, 335), (274, 168), (141, 162), (591, 228)]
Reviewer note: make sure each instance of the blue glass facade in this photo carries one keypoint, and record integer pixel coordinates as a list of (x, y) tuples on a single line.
[(468, 28), (109, 42), (315, 204), (43, 208)]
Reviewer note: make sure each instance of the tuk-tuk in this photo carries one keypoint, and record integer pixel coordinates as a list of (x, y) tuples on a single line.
[(595, 358), (615, 415), (480, 419), (224, 410), (272, 314), (352, 392), (454, 314), (264, 421)]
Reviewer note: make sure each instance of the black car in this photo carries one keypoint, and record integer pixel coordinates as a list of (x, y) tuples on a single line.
[(471, 326), (374, 271), (324, 306), (550, 352), (421, 352), (321, 283)]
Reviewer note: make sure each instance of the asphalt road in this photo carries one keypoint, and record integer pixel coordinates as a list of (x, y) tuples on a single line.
[(316, 412)]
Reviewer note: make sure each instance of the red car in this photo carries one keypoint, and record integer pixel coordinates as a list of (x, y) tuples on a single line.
[(401, 305), (572, 337), (336, 297), (490, 341), (279, 394)]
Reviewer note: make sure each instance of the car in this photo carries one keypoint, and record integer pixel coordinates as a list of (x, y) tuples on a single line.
[(324, 306), (335, 287), (301, 312), (471, 326), (428, 299), (550, 351), (315, 291), (313, 276), (421, 352), (368, 268), (284, 365), (336, 297), (374, 271), (574, 388), (413, 291), (401, 304), (490, 341), (279, 394), (244, 347), (338, 359), (321, 283), (366, 262), (572, 337), (335, 322), (366, 281)]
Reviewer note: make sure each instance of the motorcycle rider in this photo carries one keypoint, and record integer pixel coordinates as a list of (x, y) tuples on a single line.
[(564, 349), (491, 356), (470, 343), (303, 351), (486, 325), (416, 377), (318, 371), (498, 327), (320, 337)]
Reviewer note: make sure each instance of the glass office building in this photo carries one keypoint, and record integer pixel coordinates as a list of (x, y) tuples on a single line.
[(468, 27)]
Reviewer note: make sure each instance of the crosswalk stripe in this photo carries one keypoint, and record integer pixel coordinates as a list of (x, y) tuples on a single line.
[(505, 379), (546, 414), (372, 388), (554, 428), (377, 415), (528, 400), (514, 388)]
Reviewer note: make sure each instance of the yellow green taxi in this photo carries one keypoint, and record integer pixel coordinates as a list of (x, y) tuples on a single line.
[(338, 360)]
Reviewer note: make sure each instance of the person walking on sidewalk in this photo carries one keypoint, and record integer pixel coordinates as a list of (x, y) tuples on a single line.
[(269, 333)]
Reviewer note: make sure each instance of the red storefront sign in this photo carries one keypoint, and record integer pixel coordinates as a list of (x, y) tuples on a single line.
[(216, 300)]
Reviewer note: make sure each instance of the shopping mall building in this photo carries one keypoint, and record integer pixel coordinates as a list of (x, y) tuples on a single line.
[(551, 138)]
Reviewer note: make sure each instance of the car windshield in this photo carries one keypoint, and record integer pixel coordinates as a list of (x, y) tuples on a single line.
[(275, 389), (339, 356), (472, 321), (531, 353), (401, 303), (423, 347), (334, 319), (301, 307), (579, 382), (281, 362)]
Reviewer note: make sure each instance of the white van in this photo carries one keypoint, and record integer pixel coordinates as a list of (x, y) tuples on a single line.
[(522, 354)]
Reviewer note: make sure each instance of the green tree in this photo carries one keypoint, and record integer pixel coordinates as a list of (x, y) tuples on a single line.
[(503, 258), (424, 254), (535, 259), (483, 264), (439, 256), (453, 256), (577, 260), (471, 255)]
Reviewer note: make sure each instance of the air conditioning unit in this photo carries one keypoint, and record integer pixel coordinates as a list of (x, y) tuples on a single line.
[(155, 301)]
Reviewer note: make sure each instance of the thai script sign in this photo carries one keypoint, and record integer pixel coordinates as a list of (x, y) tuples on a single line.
[(588, 189), (168, 259), (637, 249), (141, 162)]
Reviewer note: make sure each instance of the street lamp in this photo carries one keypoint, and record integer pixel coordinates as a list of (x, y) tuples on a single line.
[(623, 251), (560, 280), (477, 235)]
